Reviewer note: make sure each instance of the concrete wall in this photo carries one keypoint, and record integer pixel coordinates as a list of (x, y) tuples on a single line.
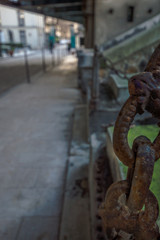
[(111, 16)]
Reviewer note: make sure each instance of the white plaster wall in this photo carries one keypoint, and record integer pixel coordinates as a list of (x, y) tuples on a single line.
[(108, 25), (34, 24), (33, 20), (8, 16), (30, 19), (40, 21), (32, 38), (40, 35), (34, 29)]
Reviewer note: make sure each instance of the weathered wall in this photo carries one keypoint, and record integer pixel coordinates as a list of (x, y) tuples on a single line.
[(111, 16)]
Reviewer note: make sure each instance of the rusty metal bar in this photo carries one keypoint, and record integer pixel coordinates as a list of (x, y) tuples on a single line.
[(95, 77)]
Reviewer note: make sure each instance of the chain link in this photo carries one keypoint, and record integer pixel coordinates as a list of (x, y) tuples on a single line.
[(122, 210)]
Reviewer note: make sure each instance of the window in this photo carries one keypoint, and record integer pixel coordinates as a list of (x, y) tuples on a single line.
[(22, 37), (130, 14), (10, 36), (21, 18), (0, 36), (111, 11), (150, 10), (81, 41)]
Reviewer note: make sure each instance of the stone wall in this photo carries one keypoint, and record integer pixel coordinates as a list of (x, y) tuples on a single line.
[(134, 63), (111, 16), (137, 61)]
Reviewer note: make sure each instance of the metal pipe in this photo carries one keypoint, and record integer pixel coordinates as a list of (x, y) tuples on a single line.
[(43, 47), (43, 59), (27, 66), (95, 83), (52, 58)]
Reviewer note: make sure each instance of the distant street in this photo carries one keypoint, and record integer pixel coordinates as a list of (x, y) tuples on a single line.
[(13, 71)]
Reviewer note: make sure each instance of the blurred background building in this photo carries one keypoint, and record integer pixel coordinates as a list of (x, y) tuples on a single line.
[(18, 26), (102, 20), (31, 29)]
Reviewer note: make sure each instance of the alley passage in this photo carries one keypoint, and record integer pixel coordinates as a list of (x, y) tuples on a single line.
[(35, 129)]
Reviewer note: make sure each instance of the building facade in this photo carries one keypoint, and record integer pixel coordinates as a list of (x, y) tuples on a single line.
[(31, 29), (21, 27)]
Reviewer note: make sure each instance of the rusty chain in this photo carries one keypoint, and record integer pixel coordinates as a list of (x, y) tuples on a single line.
[(123, 213)]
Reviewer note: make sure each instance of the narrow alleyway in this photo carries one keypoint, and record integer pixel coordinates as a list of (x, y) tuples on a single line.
[(35, 132)]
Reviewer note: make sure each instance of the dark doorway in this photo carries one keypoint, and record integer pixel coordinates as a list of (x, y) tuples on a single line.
[(10, 36), (130, 14), (22, 34)]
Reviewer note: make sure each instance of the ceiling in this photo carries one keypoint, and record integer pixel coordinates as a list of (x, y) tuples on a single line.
[(71, 10)]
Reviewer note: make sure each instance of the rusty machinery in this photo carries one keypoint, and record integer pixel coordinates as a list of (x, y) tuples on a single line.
[(130, 209)]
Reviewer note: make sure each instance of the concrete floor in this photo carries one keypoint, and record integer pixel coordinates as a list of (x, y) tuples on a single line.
[(35, 131)]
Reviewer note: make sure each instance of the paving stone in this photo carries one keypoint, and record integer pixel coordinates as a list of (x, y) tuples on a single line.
[(32, 177), (9, 228), (17, 177), (30, 202), (38, 228), (30, 154), (51, 178), (35, 129)]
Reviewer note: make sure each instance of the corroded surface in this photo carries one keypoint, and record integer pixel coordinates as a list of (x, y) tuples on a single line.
[(122, 210)]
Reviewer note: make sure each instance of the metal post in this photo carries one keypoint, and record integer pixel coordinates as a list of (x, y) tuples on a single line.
[(95, 83), (43, 59), (43, 47), (52, 39), (0, 50), (58, 53), (27, 66), (52, 58), (0, 39), (55, 55)]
